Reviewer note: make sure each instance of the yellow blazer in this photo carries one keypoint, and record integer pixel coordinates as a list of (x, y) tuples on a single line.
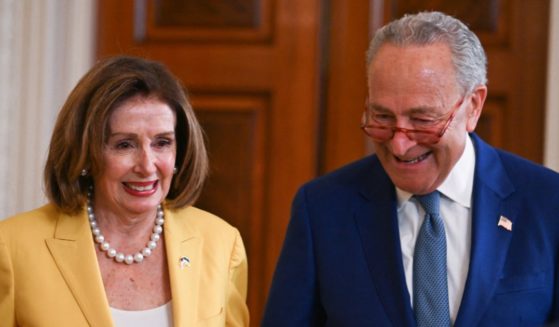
[(49, 275)]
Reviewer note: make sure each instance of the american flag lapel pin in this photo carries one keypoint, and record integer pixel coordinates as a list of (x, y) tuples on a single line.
[(184, 262), (505, 223)]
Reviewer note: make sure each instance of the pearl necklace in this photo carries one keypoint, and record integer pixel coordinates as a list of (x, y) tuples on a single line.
[(119, 256)]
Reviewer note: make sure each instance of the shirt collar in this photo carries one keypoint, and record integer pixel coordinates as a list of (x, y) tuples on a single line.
[(459, 183)]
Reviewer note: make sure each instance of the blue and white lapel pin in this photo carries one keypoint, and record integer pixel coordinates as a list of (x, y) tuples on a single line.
[(184, 262)]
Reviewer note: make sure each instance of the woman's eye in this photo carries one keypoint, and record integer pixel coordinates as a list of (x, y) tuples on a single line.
[(123, 145), (162, 143)]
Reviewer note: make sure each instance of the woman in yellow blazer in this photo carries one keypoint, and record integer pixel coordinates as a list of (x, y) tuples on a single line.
[(120, 244)]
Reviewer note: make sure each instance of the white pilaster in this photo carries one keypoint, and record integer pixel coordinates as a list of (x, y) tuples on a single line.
[(551, 147), (45, 47)]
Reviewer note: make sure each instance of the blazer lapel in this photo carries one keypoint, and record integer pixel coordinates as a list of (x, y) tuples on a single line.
[(377, 222), (490, 242), (183, 246), (73, 251)]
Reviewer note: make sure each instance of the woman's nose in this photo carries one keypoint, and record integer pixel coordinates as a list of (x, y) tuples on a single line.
[(145, 164)]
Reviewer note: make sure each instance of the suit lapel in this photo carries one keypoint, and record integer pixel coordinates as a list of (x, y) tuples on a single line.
[(73, 251), (490, 242), (182, 241), (377, 222)]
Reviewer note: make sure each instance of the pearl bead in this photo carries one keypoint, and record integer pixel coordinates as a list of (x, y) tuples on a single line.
[(119, 256), (105, 246), (129, 259), (138, 257)]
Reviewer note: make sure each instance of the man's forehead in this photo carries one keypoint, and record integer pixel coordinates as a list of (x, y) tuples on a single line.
[(412, 59)]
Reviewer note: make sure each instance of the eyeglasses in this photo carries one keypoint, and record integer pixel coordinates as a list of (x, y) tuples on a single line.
[(381, 127)]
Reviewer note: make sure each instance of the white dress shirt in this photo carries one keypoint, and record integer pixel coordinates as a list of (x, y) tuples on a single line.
[(161, 316), (455, 209)]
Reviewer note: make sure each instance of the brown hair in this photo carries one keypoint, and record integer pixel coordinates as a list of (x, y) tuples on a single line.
[(82, 127)]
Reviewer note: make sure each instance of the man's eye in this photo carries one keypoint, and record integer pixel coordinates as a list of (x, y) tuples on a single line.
[(423, 121), (383, 118)]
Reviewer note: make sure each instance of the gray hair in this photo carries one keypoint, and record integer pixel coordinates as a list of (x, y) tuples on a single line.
[(425, 28)]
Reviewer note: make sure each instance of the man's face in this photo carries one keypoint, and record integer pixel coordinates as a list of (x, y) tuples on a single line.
[(409, 86)]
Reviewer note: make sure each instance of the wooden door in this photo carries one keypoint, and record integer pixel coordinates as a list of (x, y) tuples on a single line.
[(251, 68), (279, 86)]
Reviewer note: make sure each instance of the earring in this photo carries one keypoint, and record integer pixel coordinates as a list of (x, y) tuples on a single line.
[(84, 172), (175, 171)]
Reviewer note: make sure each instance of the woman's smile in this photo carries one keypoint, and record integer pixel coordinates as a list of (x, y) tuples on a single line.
[(141, 188)]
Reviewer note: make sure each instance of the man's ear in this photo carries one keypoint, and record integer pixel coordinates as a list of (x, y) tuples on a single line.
[(476, 101)]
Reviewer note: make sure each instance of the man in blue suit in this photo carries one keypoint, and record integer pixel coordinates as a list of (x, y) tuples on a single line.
[(356, 235)]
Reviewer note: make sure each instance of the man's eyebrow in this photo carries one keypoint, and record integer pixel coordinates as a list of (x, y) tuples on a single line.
[(414, 110), (377, 107)]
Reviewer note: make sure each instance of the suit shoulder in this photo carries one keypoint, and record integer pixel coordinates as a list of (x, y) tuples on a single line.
[(25, 229), (347, 174), (203, 220), (344, 183), (219, 238), (45, 215), (526, 171)]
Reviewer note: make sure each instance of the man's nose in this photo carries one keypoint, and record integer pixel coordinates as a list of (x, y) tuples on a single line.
[(401, 143)]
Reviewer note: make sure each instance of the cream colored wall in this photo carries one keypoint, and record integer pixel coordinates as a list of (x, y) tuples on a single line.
[(45, 47), (551, 149)]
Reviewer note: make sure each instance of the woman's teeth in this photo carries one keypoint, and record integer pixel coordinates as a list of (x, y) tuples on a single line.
[(141, 188)]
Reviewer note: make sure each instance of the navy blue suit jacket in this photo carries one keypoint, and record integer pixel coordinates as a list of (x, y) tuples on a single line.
[(341, 263)]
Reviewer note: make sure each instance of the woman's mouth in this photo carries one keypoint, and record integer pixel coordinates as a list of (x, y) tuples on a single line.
[(141, 188)]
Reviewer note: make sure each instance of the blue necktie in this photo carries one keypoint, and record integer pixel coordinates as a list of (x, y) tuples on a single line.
[(430, 288)]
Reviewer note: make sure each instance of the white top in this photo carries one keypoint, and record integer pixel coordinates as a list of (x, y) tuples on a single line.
[(455, 209), (160, 317)]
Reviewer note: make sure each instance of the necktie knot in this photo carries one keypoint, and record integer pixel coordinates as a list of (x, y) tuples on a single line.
[(430, 202)]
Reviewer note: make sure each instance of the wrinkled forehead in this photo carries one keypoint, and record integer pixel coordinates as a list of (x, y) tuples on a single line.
[(418, 75), (141, 110)]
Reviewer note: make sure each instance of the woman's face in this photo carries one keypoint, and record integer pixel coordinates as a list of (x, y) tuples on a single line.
[(139, 157)]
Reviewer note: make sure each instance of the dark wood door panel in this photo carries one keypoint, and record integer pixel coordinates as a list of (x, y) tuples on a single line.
[(235, 128)]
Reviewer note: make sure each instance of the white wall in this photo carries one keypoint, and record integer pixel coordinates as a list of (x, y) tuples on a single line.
[(551, 149), (45, 47)]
